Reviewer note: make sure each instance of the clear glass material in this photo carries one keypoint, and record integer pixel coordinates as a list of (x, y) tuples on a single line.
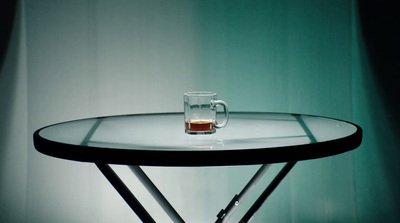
[(161, 132), (201, 112), (158, 140)]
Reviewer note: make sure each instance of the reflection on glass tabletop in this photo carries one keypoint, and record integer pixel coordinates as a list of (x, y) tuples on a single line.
[(160, 139)]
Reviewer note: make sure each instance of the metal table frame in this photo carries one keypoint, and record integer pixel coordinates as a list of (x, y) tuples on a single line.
[(224, 214)]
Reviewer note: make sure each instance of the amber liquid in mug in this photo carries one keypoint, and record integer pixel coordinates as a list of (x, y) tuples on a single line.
[(200, 125)]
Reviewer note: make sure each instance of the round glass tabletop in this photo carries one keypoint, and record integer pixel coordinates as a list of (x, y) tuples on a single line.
[(160, 139)]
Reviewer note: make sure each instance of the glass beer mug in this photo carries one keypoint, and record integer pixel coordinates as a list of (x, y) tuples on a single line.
[(201, 113)]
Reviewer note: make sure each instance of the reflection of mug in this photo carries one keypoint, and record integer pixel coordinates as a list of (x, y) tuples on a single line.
[(201, 112)]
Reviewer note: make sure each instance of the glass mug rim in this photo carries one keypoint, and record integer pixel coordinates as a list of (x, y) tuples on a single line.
[(200, 93)]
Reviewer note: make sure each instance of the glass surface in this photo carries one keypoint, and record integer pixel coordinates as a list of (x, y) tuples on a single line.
[(166, 132)]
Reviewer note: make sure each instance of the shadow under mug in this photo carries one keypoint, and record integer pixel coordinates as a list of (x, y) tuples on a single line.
[(201, 112)]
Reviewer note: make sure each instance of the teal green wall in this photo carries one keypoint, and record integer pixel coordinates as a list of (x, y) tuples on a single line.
[(376, 76), (77, 59), (288, 56), (265, 54)]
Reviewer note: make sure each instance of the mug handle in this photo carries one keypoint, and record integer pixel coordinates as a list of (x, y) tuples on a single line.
[(214, 104)]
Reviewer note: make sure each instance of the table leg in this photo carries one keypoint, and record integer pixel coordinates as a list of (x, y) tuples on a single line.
[(162, 201), (271, 187), (125, 192), (226, 213)]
